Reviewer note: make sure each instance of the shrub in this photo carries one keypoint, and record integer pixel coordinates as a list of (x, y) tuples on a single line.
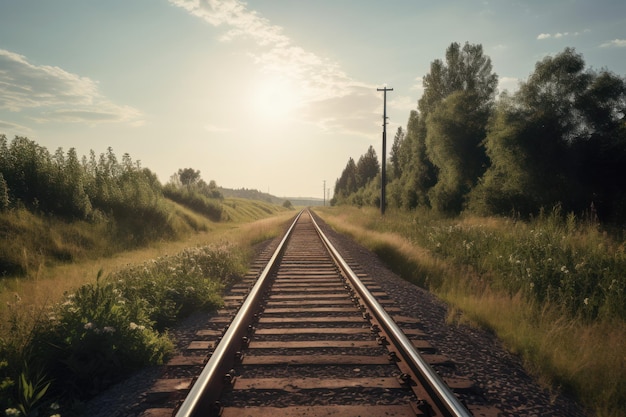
[(105, 330), (95, 338)]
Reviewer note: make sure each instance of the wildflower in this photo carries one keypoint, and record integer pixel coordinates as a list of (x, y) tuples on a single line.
[(532, 285), (586, 301), (54, 406), (564, 269), (12, 412), (108, 329), (135, 326), (56, 415), (88, 326)]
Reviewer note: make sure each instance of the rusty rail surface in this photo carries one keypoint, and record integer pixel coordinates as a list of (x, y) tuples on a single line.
[(312, 293)]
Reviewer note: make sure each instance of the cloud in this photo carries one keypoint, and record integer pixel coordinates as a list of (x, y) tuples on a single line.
[(559, 35), (55, 94), (615, 43), (328, 94), (13, 127)]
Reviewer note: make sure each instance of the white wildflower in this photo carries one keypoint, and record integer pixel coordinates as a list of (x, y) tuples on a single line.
[(88, 326), (12, 412), (586, 301), (135, 326), (108, 329), (564, 269)]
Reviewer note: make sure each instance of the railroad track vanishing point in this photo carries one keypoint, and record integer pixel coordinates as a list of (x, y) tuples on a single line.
[(308, 334)]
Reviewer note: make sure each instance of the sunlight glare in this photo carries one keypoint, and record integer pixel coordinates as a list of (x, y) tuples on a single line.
[(275, 98)]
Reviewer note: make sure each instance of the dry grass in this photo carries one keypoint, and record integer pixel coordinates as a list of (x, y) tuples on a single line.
[(586, 359), (46, 284)]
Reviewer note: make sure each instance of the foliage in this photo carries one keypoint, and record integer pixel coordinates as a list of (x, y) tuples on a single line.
[(559, 140), (455, 131), (105, 330), (187, 188), (367, 168), (357, 176), (347, 183), (195, 200), (4, 193), (553, 260), (96, 189), (552, 288), (188, 176)]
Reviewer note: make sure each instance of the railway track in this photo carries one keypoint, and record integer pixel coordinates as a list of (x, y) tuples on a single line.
[(306, 334)]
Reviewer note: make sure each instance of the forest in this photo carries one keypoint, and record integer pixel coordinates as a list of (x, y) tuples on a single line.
[(558, 140)]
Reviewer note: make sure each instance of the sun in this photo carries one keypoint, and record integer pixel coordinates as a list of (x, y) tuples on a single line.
[(275, 98)]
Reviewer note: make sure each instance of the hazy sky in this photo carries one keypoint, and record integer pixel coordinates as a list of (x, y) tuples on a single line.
[(273, 95)]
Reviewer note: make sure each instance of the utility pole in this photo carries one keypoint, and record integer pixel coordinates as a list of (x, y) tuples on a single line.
[(324, 190), (383, 178)]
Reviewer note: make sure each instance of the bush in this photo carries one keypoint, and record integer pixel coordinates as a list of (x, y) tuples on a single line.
[(95, 338), (103, 331), (198, 202)]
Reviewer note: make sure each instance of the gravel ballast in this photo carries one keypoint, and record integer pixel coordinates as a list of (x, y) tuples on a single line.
[(477, 354)]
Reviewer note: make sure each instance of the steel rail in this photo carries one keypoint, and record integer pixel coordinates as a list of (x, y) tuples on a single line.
[(431, 381), (207, 388)]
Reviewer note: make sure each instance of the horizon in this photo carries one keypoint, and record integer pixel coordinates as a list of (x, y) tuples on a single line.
[(266, 95)]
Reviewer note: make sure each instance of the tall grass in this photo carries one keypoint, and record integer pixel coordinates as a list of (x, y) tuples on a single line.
[(69, 312), (552, 289)]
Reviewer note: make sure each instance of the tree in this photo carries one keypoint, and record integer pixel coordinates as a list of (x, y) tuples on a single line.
[(346, 184), (394, 155), (466, 69), (418, 172), (559, 140), (456, 130), (367, 168), (4, 194), (454, 110), (188, 176)]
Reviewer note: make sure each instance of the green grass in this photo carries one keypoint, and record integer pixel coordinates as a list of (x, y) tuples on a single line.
[(552, 289), (108, 302)]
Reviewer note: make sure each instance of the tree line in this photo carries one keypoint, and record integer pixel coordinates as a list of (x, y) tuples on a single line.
[(560, 139), (97, 188)]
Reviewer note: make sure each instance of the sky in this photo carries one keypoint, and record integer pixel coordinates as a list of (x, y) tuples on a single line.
[(273, 95)]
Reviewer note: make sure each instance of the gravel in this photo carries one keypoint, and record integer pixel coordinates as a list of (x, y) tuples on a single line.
[(478, 355)]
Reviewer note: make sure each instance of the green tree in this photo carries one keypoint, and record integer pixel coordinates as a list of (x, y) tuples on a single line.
[(346, 184), (367, 168), (456, 130), (418, 172), (465, 69), (454, 109), (4, 194), (394, 155), (559, 139), (188, 176)]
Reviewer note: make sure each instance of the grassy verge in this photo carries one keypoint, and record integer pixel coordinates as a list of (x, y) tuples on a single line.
[(67, 328), (552, 289)]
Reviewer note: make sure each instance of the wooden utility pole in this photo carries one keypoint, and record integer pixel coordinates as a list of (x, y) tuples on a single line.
[(383, 178)]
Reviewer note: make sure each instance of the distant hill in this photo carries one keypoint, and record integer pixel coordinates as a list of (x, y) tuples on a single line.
[(261, 196)]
